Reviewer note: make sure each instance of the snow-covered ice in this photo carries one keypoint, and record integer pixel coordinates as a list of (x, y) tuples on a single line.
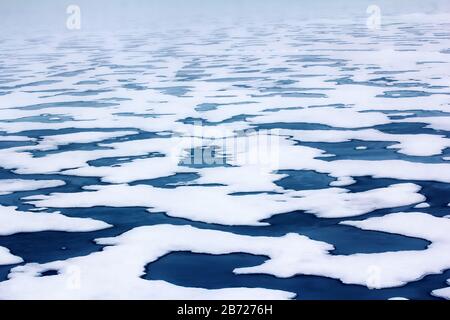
[(317, 150)]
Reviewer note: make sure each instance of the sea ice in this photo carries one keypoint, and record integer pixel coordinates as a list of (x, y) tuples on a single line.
[(8, 186)]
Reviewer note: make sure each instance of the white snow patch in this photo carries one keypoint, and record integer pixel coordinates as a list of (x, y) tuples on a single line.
[(342, 182), (7, 258), (442, 293), (422, 205), (52, 142), (8, 186), (409, 144), (200, 203), (13, 221)]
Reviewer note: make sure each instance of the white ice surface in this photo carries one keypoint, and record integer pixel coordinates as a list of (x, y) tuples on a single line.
[(13, 221), (442, 293), (7, 258), (52, 142), (409, 144), (196, 202), (422, 205), (8, 186)]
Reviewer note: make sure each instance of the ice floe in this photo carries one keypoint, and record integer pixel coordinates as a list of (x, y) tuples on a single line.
[(52, 142), (409, 144), (15, 221), (7, 258), (195, 202), (8, 186), (443, 293)]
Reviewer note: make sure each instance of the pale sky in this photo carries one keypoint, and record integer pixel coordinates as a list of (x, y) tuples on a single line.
[(19, 15)]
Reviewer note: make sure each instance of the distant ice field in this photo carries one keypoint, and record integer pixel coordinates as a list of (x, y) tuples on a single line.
[(277, 161)]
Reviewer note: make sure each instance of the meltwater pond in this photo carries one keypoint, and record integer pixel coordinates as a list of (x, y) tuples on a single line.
[(281, 161)]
